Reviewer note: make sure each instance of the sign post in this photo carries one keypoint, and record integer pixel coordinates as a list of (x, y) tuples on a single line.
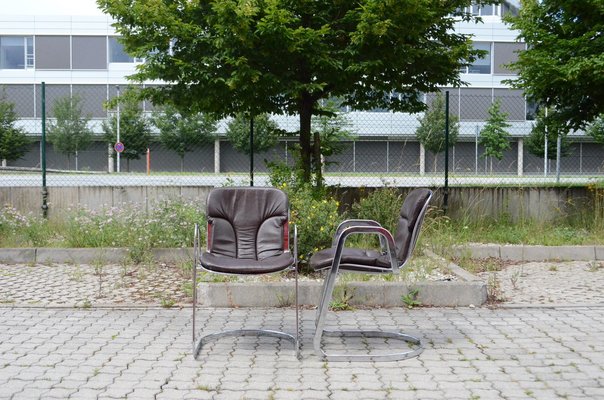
[(118, 128)]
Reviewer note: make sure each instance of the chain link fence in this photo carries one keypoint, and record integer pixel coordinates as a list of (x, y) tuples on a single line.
[(383, 148)]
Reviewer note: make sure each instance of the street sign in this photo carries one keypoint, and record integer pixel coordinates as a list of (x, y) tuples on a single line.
[(119, 147)]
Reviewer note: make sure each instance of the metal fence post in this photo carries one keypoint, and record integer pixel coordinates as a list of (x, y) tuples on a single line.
[(43, 154), (446, 192), (251, 149)]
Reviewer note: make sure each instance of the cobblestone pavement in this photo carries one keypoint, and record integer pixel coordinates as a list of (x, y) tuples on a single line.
[(545, 283), (480, 353), (85, 285), (548, 283), (547, 345)]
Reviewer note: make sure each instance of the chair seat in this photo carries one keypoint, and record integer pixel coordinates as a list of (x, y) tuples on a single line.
[(229, 265), (353, 259)]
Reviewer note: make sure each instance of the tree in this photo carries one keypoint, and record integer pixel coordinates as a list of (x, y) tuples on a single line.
[(535, 142), (431, 130), (135, 133), (69, 133), (282, 57), (184, 133), (13, 141), (596, 129), (266, 133), (494, 137), (563, 66), (331, 130)]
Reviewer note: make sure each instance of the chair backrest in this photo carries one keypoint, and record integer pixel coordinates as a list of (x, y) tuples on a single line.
[(247, 222), (409, 223)]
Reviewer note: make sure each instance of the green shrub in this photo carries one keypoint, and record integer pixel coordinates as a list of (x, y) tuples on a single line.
[(382, 205), (316, 219)]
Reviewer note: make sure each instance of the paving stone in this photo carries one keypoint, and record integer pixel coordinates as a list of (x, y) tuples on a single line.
[(473, 352)]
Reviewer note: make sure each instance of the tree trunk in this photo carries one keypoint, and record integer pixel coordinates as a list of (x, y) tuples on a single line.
[(306, 107), (182, 163), (317, 159), (76, 161)]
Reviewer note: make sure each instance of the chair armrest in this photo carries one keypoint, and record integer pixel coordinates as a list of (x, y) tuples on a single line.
[(383, 233), (352, 222)]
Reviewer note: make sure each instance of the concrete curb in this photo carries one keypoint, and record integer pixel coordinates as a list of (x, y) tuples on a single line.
[(85, 255), (467, 290), (531, 253), (369, 294)]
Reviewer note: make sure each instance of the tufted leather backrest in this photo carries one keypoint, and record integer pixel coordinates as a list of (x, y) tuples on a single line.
[(410, 220), (247, 222)]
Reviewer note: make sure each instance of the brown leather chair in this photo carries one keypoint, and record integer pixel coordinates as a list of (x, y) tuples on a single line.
[(248, 234), (394, 254)]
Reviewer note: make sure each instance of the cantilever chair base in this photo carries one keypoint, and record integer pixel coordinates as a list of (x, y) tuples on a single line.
[(197, 345), (392, 257), (396, 356)]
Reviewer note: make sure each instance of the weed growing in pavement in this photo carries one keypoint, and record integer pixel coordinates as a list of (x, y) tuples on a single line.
[(285, 300), (166, 301), (494, 292), (410, 299), (595, 266), (514, 279), (76, 274), (340, 300)]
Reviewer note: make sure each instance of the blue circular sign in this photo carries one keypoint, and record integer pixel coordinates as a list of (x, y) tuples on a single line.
[(119, 147)]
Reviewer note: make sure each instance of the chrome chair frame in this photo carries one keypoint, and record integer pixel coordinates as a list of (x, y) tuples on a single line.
[(198, 343), (344, 230)]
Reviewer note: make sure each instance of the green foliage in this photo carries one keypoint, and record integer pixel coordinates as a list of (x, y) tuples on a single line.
[(18, 230), (316, 217), (330, 130), (410, 299), (135, 132), (13, 142), (382, 205), (596, 129), (535, 142), (494, 137), (183, 133), (69, 133), (341, 298), (431, 130), (562, 66), (266, 133), (283, 57)]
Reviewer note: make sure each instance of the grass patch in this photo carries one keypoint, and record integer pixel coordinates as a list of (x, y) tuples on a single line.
[(164, 224)]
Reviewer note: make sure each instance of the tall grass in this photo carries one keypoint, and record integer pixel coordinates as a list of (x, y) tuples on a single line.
[(165, 224)]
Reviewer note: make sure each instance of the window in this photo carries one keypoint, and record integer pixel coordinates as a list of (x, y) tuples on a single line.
[(485, 10), (16, 52), (481, 65), (117, 53)]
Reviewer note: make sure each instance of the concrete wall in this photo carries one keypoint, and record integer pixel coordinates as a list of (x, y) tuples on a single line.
[(467, 202), (61, 199)]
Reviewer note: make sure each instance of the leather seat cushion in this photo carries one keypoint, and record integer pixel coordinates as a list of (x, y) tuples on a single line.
[(352, 259), (245, 266)]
